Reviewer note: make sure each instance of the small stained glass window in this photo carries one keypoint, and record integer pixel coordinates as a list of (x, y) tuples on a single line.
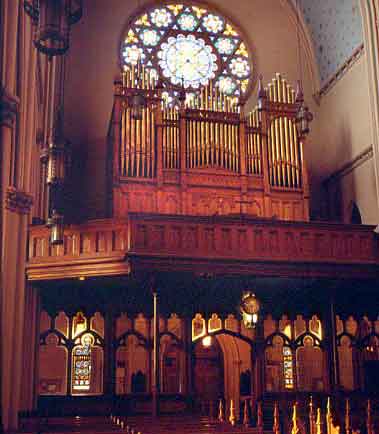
[(189, 45), (82, 366), (288, 368)]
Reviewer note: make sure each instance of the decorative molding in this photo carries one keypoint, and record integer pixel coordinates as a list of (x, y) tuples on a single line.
[(9, 105), (342, 70), (347, 168), (18, 201)]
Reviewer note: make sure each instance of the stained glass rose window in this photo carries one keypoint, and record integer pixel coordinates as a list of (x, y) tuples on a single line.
[(189, 45)]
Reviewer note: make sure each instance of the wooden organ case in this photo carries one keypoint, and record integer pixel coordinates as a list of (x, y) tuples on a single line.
[(205, 156)]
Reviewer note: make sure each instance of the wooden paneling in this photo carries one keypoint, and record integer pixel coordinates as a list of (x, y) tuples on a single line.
[(223, 244)]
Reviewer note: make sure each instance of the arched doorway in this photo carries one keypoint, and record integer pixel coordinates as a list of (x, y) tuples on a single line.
[(222, 368), (208, 371)]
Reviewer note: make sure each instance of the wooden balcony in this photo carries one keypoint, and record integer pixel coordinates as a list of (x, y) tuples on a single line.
[(219, 244)]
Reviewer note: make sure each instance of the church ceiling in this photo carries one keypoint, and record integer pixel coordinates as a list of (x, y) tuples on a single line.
[(336, 30)]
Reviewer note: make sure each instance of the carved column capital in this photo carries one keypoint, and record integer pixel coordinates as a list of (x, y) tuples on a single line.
[(18, 201), (9, 105)]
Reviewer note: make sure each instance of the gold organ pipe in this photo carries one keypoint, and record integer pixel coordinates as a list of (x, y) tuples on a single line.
[(172, 139), (297, 159), (282, 150), (153, 156), (278, 82), (270, 92), (206, 97), (259, 144), (275, 91), (128, 140), (173, 127), (231, 144), (169, 138), (132, 145), (237, 135), (198, 143), (138, 147), (271, 154), (212, 143), (288, 151), (148, 142), (177, 129), (222, 148), (284, 90), (277, 150), (143, 143), (289, 95), (188, 144), (123, 141), (293, 96), (191, 143), (216, 143), (293, 159), (206, 142), (164, 138)]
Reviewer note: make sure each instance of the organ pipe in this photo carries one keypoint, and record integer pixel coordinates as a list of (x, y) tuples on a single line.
[(213, 135)]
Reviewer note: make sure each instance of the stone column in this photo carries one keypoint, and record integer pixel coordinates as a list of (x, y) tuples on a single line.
[(330, 344), (29, 386), (370, 17), (18, 119)]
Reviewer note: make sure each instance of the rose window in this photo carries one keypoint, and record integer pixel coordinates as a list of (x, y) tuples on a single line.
[(189, 46)]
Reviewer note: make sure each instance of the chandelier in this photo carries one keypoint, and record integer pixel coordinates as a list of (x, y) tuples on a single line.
[(53, 19)]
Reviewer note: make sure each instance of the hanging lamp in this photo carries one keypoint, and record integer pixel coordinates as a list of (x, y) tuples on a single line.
[(53, 20)]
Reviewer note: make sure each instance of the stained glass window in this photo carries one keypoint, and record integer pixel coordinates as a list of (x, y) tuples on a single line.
[(288, 368), (82, 365), (188, 46)]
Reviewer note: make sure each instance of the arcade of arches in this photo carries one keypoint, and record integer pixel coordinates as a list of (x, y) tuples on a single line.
[(177, 156)]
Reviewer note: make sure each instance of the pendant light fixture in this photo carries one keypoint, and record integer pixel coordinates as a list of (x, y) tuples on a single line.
[(303, 115), (53, 20)]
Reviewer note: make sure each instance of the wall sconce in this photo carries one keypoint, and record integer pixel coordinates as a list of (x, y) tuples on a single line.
[(249, 307)]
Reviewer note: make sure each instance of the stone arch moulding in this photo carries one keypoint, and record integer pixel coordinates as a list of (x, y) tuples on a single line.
[(369, 12)]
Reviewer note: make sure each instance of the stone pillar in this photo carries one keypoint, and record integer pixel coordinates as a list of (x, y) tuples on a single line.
[(18, 120), (258, 363), (29, 386), (330, 344), (109, 387), (188, 354), (370, 17)]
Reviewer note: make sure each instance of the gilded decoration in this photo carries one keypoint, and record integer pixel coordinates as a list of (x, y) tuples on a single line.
[(18, 201)]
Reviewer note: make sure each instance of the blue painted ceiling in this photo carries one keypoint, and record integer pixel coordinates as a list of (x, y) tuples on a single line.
[(336, 30)]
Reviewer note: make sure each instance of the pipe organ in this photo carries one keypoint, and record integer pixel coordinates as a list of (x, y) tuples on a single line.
[(200, 153)]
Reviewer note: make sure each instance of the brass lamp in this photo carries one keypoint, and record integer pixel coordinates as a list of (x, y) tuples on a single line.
[(56, 224), (53, 19), (250, 307), (303, 115), (57, 155)]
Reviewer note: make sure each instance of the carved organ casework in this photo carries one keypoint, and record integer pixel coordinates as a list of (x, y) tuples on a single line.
[(202, 155), (182, 140)]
